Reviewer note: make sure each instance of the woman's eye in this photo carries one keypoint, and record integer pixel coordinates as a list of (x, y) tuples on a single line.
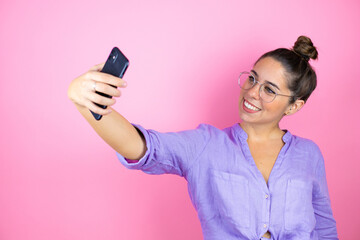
[(251, 79), (268, 90)]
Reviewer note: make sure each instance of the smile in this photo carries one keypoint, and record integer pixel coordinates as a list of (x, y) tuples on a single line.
[(250, 106)]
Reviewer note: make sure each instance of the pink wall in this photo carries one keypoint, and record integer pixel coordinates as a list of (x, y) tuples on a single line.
[(58, 180)]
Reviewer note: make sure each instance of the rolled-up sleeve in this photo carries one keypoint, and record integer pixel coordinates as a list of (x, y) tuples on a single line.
[(325, 222), (171, 153)]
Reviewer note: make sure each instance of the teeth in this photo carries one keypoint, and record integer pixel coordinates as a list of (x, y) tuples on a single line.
[(250, 106)]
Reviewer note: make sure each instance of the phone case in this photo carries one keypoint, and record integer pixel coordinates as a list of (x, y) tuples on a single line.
[(116, 65)]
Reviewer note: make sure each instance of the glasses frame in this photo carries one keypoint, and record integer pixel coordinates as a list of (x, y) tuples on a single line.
[(261, 86)]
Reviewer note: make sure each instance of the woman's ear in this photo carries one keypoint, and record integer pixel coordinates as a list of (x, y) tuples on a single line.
[(294, 107)]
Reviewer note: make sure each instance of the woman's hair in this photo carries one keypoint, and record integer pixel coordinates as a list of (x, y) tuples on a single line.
[(300, 75)]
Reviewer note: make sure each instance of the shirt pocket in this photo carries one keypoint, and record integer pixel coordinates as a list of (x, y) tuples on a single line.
[(232, 198), (299, 211)]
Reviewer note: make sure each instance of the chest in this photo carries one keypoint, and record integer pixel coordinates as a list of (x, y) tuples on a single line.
[(265, 156)]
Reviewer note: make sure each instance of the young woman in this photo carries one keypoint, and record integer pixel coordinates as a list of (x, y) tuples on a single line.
[(249, 181)]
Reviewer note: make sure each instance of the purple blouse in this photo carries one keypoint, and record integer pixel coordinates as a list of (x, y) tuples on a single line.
[(230, 194)]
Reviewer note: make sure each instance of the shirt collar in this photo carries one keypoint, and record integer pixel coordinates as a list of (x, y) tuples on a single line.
[(240, 133)]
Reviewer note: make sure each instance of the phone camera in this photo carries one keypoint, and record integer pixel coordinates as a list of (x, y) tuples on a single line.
[(114, 57)]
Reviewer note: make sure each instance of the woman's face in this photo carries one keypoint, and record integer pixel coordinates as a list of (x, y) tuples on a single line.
[(266, 70)]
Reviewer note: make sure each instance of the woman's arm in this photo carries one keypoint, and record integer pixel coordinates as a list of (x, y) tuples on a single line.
[(113, 127), (325, 222)]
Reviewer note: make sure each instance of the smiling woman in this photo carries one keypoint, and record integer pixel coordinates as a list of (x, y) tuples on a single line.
[(251, 180)]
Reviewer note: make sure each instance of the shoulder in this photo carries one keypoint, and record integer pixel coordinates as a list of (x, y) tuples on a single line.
[(305, 145), (307, 153), (208, 133), (215, 132)]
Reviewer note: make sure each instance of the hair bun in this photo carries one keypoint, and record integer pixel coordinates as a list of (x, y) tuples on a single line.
[(305, 48)]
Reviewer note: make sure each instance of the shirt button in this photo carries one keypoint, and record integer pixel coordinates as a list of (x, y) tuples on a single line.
[(265, 225), (266, 196)]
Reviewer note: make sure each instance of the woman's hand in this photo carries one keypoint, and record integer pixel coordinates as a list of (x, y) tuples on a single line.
[(82, 90)]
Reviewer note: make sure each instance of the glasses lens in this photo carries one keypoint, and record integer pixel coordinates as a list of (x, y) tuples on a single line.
[(246, 81), (267, 93)]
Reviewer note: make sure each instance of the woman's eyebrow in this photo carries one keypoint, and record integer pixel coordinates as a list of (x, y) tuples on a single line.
[(255, 73), (271, 83)]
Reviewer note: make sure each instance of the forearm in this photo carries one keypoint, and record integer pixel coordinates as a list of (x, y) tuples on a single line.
[(117, 132)]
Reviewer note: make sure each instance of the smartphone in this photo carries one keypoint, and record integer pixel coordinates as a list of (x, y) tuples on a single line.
[(116, 65)]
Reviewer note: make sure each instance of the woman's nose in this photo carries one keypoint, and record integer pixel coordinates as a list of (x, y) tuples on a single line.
[(254, 92)]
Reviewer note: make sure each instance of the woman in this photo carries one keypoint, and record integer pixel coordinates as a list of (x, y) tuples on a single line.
[(249, 181)]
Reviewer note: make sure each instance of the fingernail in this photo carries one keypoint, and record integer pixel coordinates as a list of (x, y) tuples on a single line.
[(124, 84)]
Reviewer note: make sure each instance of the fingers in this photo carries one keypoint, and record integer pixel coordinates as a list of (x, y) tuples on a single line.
[(97, 98), (105, 78), (86, 90), (105, 88), (90, 99), (96, 109)]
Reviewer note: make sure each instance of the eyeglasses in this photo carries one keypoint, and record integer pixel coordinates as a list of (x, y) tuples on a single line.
[(267, 91)]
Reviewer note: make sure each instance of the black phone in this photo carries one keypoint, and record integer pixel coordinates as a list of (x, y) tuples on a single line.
[(116, 65)]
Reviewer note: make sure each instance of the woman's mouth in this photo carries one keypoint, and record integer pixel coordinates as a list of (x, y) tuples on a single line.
[(250, 108)]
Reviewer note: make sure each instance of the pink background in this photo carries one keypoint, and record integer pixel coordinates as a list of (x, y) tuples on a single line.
[(59, 180)]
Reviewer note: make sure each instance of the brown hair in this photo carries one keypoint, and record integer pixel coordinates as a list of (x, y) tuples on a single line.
[(300, 75)]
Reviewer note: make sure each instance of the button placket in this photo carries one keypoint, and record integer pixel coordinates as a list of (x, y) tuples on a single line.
[(266, 215)]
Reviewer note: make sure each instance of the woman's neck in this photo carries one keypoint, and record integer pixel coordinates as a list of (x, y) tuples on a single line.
[(261, 132)]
